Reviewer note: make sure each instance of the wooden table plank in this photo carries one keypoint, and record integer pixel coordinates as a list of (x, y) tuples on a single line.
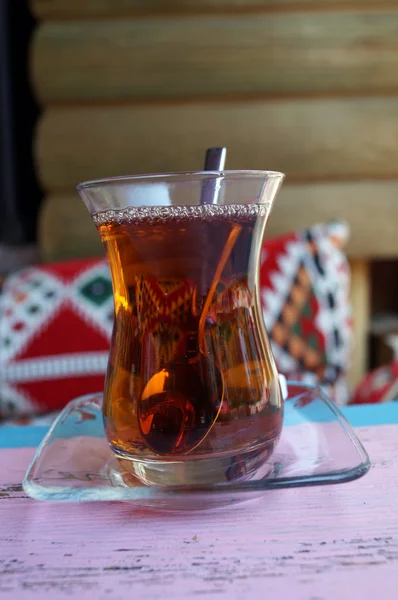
[(317, 542)]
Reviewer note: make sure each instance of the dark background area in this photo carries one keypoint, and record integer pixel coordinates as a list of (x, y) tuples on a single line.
[(20, 192)]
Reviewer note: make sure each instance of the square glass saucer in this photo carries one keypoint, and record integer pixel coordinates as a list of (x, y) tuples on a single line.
[(75, 463)]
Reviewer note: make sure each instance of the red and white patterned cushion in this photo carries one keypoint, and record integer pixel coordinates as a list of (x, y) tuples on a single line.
[(56, 321), (379, 385), (305, 282), (55, 326)]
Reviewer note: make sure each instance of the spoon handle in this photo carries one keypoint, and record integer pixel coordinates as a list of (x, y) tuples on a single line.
[(229, 244), (214, 161)]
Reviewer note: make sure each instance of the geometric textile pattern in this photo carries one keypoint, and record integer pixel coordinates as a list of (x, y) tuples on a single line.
[(379, 385), (91, 295), (171, 299), (329, 270), (56, 320), (55, 326), (305, 285)]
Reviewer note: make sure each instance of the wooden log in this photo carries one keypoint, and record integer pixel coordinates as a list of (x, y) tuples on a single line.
[(308, 140), (66, 230), (370, 208), (59, 9), (205, 56)]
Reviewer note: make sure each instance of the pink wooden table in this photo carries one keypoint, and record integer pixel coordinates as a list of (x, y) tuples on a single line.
[(318, 543)]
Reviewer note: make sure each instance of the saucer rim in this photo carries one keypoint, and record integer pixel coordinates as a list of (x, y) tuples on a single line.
[(126, 494)]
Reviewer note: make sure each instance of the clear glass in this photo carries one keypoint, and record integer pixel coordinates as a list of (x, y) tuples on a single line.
[(74, 462), (191, 386)]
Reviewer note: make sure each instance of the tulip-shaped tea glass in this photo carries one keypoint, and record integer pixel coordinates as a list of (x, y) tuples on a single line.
[(192, 395)]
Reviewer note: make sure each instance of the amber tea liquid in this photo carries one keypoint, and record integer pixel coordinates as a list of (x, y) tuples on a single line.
[(190, 373)]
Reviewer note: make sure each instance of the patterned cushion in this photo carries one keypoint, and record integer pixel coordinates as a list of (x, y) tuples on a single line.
[(305, 283), (56, 321), (380, 385), (55, 325)]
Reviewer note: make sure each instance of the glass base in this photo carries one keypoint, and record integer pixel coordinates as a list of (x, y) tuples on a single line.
[(75, 463), (203, 471)]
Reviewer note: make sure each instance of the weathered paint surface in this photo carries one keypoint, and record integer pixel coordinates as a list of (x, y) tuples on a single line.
[(319, 543)]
